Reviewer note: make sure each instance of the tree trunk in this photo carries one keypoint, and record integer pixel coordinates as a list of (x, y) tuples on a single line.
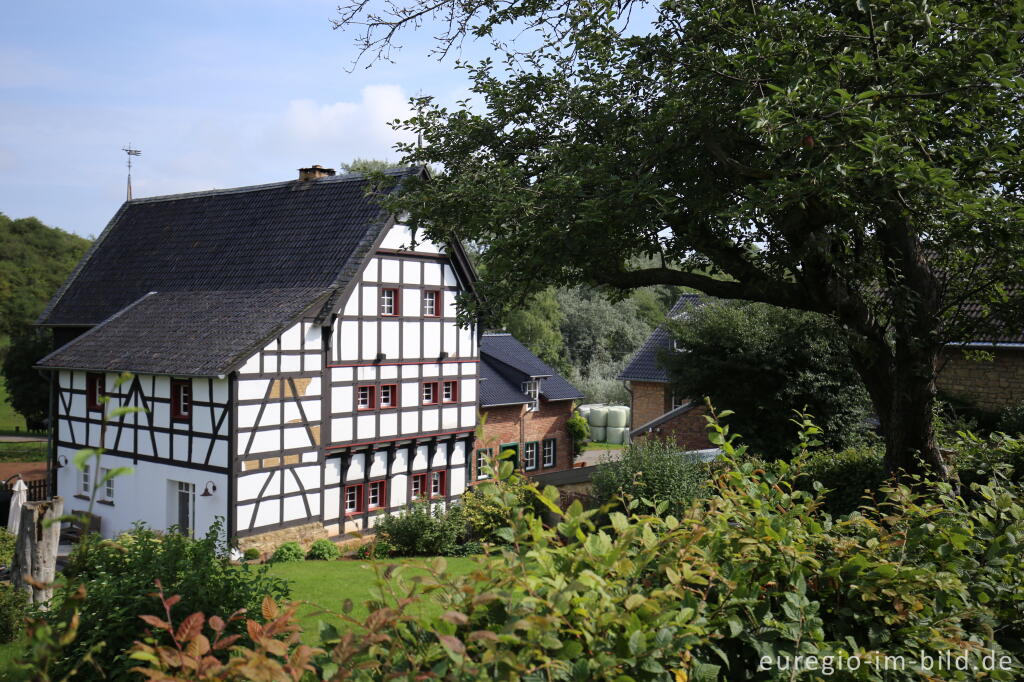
[(35, 550), (902, 390)]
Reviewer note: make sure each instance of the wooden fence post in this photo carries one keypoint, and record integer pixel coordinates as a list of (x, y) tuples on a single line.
[(35, 550)]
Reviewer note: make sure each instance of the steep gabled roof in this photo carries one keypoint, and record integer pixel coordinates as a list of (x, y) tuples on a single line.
[(277, 236), (186, 333), (191, 284), (645, 366), (505, 364)]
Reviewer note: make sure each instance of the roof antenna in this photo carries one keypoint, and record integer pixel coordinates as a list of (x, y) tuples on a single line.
[(130, 152)]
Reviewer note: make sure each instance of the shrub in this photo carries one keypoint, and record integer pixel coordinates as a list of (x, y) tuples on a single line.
[(579, 431), (289, 551), (653, 470), (251, 554), (419, 531), (1011, 420), (119, 577), (846, 476), (323, 550), (484, 514), (377, 548), (13, 608), (7, 540)]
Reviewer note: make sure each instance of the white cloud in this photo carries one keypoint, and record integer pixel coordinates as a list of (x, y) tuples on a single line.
[(356, 128)]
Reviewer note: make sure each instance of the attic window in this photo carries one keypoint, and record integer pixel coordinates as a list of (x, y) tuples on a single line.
[(181, 399), (532, 389), (94, 391)]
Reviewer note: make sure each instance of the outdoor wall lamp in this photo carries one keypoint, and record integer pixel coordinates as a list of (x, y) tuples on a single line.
[(209, 489), (62, 461)]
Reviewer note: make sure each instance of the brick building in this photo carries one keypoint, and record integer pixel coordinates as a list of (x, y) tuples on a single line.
[(524, 404), (987, 384), (655, 409)]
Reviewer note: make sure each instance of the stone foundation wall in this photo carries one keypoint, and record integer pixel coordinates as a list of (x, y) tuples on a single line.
[(267, 542), (989, 385)]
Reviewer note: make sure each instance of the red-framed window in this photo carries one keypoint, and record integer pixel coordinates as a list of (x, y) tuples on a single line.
[(94, 390), (450, 392), (431, 303), (418, 487), (389, 302), (366, 397), (428, 393), (550, 453), (388, 396), (353, 498), (438, 487), (530, 456), (181, 399), (377, 495)]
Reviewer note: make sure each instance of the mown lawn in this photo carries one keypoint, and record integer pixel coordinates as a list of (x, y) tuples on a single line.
[(9, 419), (327, 584), (23, 452), (603, 446)]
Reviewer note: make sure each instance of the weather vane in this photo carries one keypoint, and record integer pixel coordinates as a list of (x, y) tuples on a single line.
[(130, 152)]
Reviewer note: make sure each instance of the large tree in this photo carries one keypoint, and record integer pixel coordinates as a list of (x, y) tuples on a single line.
[(855, 158)]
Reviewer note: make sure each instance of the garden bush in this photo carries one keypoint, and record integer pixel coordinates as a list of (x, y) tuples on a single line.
[(1011, 420), (13, 608), (251, 554), (377, 548), (119, 577), (579, 431), (847, 476), (289, 551), (6, 547), (652, 470), (485, 514), (323, 550), (420, 531)]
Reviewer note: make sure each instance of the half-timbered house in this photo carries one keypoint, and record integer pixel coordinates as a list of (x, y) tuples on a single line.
[(295, 352)]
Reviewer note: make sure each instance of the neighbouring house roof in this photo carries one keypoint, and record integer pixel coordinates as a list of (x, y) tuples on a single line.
[(645, 365), (658, 421), (186, 333), (192, 283), (505, 364)]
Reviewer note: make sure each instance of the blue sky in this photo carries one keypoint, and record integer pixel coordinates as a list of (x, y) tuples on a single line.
[(220, 93)]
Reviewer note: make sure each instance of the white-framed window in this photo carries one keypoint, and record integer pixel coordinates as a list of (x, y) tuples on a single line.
[(107, 494), (529, 456), (437, 487), (184, 506), (483, 458), (676, 401), (389, 301), (365, 398), (85, 480), (388, 395), (419, 484), (532, 389), (450, 392), (353, 499), (431, 303), (429, 393), (549, 452), (375, 497)]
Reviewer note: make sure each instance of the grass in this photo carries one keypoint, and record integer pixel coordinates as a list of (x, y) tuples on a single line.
[(326, 585), (318, 582), (602, 446), (9, 419), (23, 452)]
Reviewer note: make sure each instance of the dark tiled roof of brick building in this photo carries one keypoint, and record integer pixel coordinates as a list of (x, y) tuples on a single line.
[(505, 364), (645, 366)]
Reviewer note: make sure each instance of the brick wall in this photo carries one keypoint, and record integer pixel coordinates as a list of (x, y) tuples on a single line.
[(988, 385), (688, 430), (650, 401), (516, 424)]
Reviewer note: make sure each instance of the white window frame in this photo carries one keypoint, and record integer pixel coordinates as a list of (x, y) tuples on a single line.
[(532, 389), (432, 386), (388, 302), (368, 393), (84, 480), (356, 489), (528, 457), (434, 298), (436, 487), (392, 396), (482, 455), (381, 489), (190, 490), (108, 486), (545, 462)]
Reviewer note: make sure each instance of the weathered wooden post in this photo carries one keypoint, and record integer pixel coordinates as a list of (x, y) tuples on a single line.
[(35, 550)]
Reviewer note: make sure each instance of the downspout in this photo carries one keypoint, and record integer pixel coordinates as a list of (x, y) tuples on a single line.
[(632, 407), (51, 448)]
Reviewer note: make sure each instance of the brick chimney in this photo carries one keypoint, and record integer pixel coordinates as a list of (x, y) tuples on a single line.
[(314, 173)]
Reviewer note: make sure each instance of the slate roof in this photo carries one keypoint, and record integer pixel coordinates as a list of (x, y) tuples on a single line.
[(281, 235), (186, 333), (191, 284), (645, 366), (505, 364)]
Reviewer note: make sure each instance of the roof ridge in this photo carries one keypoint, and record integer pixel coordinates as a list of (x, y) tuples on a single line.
[(348, 177)]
